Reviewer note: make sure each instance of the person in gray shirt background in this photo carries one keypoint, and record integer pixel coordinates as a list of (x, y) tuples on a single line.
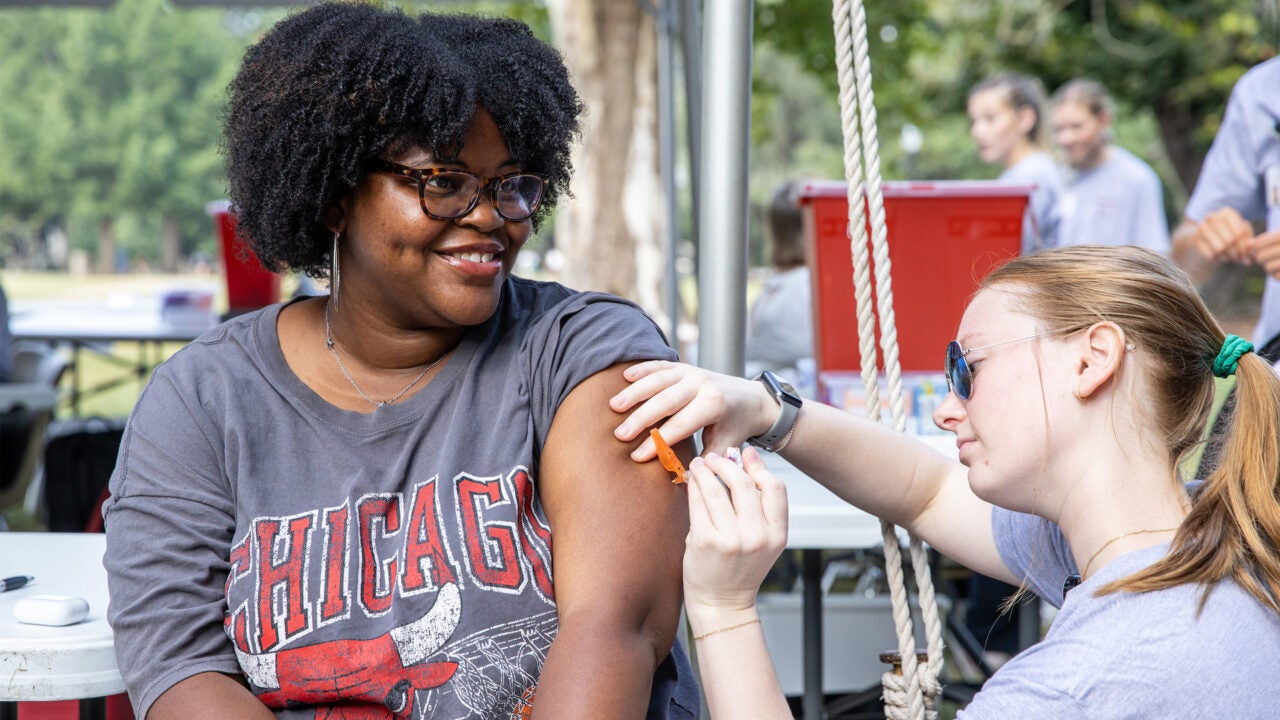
[(1007, 120), (1111, 196), (780, 320), (1239, 184)]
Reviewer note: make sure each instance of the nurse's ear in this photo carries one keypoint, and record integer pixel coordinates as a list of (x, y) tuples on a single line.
[(1101, 349)]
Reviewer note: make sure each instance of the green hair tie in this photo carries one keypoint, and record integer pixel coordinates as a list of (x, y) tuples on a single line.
[(1233, 347)]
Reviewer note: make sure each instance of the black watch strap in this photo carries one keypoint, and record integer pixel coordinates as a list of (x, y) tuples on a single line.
[(789, 402)]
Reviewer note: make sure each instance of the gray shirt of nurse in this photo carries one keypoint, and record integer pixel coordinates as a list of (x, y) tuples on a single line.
[(395, 563), (1127, 656)]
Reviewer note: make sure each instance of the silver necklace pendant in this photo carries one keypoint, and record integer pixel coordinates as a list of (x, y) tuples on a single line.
[(328, 341)]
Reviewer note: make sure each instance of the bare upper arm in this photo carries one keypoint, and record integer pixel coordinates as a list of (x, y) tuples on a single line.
[(208, 696), (619, 526)]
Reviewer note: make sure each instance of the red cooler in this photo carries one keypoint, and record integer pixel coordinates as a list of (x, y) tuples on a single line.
[(944, 237), (249, 285)]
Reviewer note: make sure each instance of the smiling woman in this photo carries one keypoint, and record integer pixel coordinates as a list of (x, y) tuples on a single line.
[(374, 503)]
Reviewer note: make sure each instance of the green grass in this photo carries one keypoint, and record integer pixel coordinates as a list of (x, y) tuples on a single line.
[(94, 369), (117, 401)]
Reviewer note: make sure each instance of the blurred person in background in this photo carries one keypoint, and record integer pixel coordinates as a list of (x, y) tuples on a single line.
[(1239, 185), (1111, 196), (780, 321), (1006, 121)]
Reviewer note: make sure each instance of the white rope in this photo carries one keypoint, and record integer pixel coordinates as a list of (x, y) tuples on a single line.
[(914, 694)]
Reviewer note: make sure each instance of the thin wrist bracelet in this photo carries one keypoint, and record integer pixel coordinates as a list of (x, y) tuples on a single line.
[(709, 633), (786, 440)]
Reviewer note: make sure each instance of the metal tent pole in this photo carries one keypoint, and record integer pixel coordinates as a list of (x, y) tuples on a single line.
[(726, 125)]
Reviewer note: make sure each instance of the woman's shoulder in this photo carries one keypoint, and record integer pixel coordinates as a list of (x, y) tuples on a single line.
[(531, 293), (541, 296), (1260, 79), (227, 366), (1128, 167), (1037, 167), (1034, 549), (226, 347), (549, 306), (1188, 618), (1158, 652)]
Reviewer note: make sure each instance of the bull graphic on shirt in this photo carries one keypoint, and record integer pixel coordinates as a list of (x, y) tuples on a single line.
[(343, 573), (384, 671)]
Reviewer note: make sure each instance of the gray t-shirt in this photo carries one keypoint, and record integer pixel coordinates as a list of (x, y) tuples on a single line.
[(1040, 222), (1242, 170), (780, 323), (397, 562), (1116, 203), (1129, 656)]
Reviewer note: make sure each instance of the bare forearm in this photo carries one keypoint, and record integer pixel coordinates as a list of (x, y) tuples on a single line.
[(738, 677), (868, 464), (208, 696), (597, 674)]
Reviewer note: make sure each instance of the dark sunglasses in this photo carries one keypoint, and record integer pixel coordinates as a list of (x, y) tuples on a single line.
[(451, 194), (960, 375)]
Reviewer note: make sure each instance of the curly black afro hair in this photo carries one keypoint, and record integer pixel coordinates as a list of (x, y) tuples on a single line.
[(336, 85)]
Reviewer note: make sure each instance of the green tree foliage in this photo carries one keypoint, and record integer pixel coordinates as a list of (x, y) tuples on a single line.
[(1175, 60), (114, 114), (34, 186), (1169, 63)]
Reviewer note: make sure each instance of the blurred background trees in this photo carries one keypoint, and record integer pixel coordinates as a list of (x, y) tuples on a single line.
[(110, 116), (110, 125)]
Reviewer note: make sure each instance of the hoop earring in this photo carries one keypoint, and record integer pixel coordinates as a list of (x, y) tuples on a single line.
[(1079, 395), (334, 278)]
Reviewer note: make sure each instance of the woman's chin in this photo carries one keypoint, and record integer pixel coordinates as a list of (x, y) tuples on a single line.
[(985, 486)]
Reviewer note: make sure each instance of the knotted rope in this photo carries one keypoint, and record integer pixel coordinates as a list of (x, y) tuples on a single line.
[(914, 694)]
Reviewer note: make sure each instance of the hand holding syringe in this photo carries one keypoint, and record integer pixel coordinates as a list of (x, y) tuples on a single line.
[(672, 463)]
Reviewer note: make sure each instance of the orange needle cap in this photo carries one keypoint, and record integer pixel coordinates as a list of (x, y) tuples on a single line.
[(667, 456)]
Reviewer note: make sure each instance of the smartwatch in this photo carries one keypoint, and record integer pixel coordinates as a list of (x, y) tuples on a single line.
[(776, 437)]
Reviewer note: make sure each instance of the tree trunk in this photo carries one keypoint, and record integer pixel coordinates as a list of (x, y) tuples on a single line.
[(170, 244), (611, 230), (1178, 121), (106, 260)]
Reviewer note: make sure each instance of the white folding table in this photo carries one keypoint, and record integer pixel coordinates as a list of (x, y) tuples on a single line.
[(75, 662), (819, 520)]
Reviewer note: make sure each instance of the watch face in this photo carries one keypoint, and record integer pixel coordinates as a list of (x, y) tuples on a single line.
[(789, 394), (781, 389)]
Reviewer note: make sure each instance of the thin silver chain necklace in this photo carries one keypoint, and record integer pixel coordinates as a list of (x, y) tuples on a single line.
[(328, 341)]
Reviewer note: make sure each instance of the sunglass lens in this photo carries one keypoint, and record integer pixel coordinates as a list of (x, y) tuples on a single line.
[(959, 380)]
